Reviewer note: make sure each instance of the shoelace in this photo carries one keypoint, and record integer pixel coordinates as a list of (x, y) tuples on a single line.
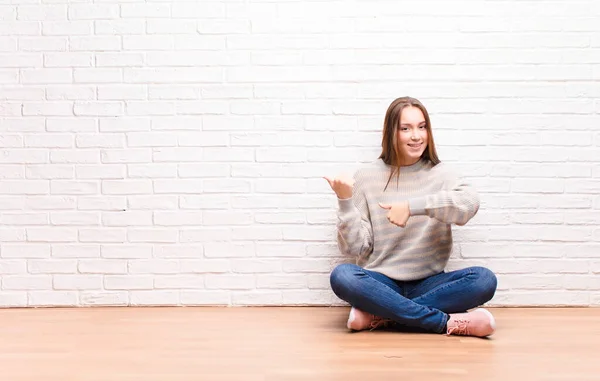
[(461, 327), (379, 322)]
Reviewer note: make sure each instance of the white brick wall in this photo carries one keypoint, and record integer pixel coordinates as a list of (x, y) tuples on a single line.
[(171, 152)]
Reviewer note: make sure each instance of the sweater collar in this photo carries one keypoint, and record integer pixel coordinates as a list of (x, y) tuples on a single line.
[(410, 168)]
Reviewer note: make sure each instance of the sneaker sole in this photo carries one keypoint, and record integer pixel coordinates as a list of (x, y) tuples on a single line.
[(492, 319), (350, 318)]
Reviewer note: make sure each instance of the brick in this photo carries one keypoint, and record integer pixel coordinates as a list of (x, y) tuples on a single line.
[(152, 171), (13, 299), (178, 186), (105, 171), (226, 186), (204, 266), (205, 298), (255, 266), (13, 266), (203, 170), (77, 282), (133, 155), (178, 123), (128, 282), (121, 92), (104, 298), (181, 154), (95, 43), (206, 234), (151, 139), (155, 298), (154, 266), (253, 202), (278, 249), (179, 282), (21, 60), (68, 28), (281, 281), (179, 218), (19, 28), (102, 266), (42, 12), (121, 59), (102, 235), (152, 235), (226, 218), (18, 251), (256, 298), (26, 282), (49, 172), (152, 202), (228, 250), (126, 187), (51, 234), (74, 187), (93, 12), (12, 235), (309, 297), (258, 233), (178, 251), (52, 298), (53, 141), (118, 27), (312, 265), (102, 203), (280, 218), (127, 218), (24, 156), (145, 10), (126, 251), (46, 76), (24, 218), (72, 92), (19, 93), (136, 108), (179, 75), (229, 282), (68, 125), (98, 109), (171, 26), (75, 251)]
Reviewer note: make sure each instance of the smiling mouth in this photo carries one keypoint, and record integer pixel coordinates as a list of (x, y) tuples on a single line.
[(417, 145)]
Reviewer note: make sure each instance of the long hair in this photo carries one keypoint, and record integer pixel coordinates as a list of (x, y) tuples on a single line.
[(390, 152)]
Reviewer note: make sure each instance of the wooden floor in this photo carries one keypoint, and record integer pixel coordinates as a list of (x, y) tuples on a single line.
[(214, 344)]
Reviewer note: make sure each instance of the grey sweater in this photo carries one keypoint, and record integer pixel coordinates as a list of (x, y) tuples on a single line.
[(437, 198)]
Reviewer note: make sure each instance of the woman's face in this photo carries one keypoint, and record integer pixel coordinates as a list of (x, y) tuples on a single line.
[(412, 135)]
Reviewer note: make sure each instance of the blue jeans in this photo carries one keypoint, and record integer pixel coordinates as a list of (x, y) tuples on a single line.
[(423, 304)]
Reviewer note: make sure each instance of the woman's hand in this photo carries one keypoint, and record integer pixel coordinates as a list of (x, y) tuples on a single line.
[(341, 185), (398, 214)]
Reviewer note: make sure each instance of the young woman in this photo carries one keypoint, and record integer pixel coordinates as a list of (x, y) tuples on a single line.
[(395, 217)]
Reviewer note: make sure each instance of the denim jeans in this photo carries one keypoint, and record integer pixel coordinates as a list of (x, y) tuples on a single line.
[(423, 304)]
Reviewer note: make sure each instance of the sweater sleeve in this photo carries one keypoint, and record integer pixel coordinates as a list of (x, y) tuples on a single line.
[(354, 229), (457, 202)]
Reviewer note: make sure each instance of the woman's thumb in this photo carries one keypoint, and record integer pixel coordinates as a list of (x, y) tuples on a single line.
[(385, 206)]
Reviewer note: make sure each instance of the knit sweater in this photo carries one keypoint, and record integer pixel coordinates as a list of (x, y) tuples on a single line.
[(437, 198)]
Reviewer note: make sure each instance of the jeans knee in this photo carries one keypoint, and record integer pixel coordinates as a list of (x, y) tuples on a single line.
[(487, 283), (342, 277)]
